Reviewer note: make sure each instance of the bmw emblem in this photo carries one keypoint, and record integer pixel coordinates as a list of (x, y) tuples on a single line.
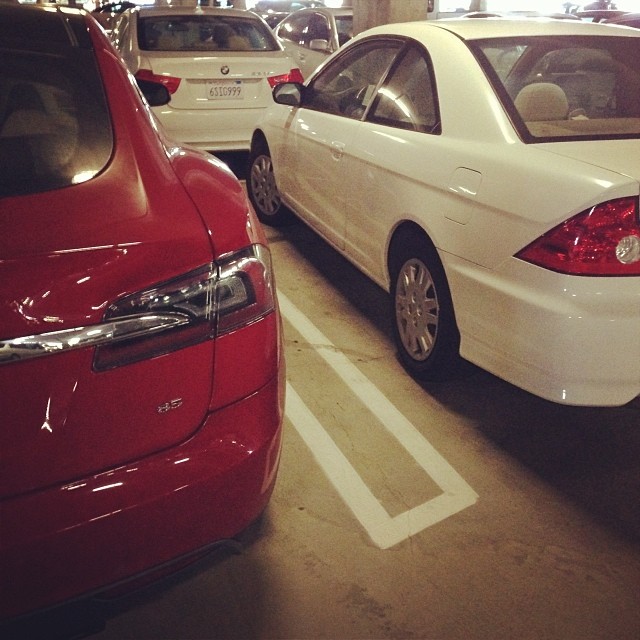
[(224, 70)]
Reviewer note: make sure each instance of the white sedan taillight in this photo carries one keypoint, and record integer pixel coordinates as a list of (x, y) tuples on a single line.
[(170, 82), (602, 241)]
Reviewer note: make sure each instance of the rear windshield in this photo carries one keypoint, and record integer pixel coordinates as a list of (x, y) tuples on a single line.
[(54, 124), (567, 88), (55, 128), (204, 33)]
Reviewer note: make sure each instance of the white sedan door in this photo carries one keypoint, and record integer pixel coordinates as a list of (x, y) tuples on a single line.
[(322, 131), (394, 157), (318, 192)]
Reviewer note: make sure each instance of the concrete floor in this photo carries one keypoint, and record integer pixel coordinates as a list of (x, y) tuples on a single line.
[(464, 510)]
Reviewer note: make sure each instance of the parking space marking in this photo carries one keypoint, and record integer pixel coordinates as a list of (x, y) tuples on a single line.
[(385, 531)]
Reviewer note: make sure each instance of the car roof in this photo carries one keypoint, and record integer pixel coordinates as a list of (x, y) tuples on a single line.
[(498, 28), (264, 4)]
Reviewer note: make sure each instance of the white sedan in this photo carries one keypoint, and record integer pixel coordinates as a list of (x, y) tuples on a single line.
[(310, 36), (219, 66), (486, 174)]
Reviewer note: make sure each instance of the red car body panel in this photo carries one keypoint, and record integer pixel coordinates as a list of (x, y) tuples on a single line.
[(97, 484), (76, 538)]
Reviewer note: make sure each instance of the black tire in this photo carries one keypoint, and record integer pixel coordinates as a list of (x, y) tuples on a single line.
[(424, 325), (263, 190)]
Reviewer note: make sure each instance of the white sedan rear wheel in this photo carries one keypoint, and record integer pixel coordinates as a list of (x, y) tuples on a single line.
[(424, 323)]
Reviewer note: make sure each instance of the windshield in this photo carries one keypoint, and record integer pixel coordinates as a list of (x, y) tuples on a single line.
[(560, 88)]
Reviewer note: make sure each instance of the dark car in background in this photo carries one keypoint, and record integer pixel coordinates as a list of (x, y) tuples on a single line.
[(141, 370)]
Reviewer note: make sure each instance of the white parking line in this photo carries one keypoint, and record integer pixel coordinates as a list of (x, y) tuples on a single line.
[(385, 531)]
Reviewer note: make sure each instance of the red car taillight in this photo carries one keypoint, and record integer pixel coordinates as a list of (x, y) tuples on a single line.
[(244, 289), (205, 303), (602, 241), (169, 82), (295, 75)]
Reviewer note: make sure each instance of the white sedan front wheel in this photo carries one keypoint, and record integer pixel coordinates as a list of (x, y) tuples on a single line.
[(263, 190)]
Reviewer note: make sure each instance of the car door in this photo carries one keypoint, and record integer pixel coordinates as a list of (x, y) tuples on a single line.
[(395, 153), (320, 136), (121, 38)]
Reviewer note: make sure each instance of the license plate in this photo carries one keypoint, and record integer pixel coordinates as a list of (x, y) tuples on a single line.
[(225, 90)]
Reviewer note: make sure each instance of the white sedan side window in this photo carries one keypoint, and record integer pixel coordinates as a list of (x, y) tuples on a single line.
[(407, 99), (346, 86)]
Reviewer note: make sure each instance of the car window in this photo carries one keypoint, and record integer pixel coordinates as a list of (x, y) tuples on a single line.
[(319, 28), (503, 58), (344, 26), (203, 33), (407, 99), (302, 29), (55, 128), (295, 29), (567, 87), (347, 86)]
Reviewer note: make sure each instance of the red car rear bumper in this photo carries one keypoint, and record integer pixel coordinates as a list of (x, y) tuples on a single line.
[(70, 540)]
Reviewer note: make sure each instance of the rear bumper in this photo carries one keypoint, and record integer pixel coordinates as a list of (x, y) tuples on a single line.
[(222, 129), (66, 541), (569, 339)]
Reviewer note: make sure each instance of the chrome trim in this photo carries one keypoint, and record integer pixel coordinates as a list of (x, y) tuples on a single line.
[(116, 330)]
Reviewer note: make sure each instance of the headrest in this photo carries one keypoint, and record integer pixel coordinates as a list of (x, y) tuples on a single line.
[(542, 101)]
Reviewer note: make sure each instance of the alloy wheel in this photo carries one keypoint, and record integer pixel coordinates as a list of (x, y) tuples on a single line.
[(417, 309)]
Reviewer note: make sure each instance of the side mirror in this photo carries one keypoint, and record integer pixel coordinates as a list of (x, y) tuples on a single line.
[(156, 94), (288, 93), (319, 44)]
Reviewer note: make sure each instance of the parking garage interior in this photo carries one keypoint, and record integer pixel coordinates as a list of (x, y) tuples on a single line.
[(460, 510)]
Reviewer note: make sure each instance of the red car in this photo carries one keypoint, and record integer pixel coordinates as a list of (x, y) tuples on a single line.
[(141, 366)]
